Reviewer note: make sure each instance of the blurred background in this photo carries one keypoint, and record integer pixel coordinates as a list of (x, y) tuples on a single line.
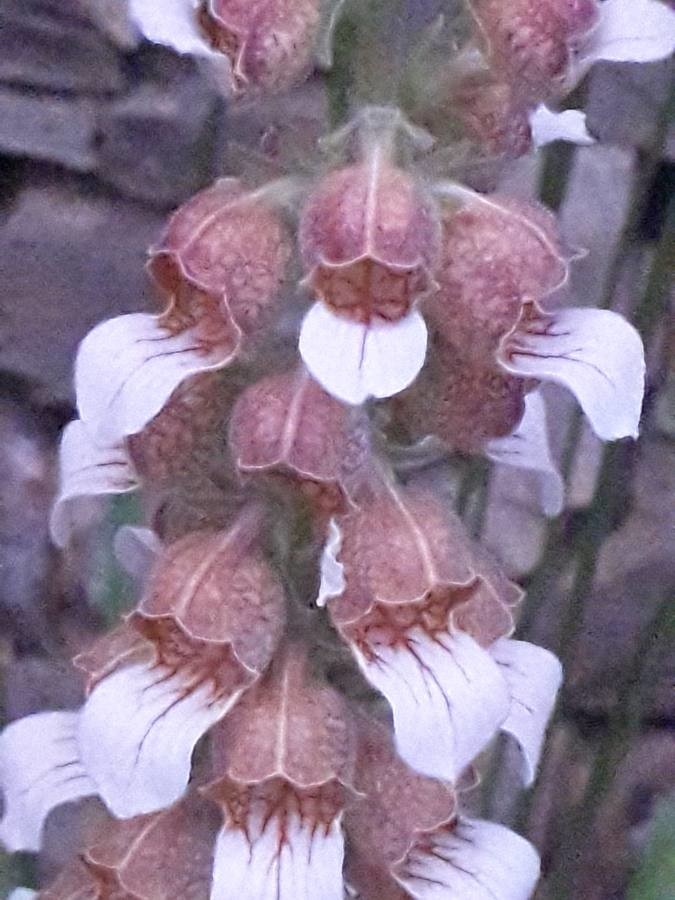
[(100, 138)]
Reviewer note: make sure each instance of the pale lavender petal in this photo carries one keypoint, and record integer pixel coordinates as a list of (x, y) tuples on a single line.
[(475, 860), (353, 361), (137, 732), (279, 859), (86, 470), (136, 549), (630, 31), (332, 570), (448, 696), (528, 448), (595, 353), (534, 676), (569, 125), (40, 768), (127, 368)]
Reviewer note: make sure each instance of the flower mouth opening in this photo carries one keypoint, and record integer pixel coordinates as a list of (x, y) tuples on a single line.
[(198, 662), (390, 624), (368, 289)]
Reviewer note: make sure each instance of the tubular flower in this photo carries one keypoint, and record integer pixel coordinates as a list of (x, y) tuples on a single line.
[(428, 618), (181, 440), (154, 857), (431, 851), (289, 426), (494, 342), (257, 44), (369, 240), (221, 263), (205, 631), (539, 51), (285, 761)]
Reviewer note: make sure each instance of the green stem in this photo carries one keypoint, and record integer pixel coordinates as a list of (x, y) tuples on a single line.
[(656, 298), (340, 78)]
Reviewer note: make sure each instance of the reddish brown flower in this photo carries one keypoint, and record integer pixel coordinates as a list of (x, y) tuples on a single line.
[(431, 849), (212, 616), (269, 43), (529, 41), (369, 238), (420, 606), (288, 425), (285, 764), (224, 252), (498, 255)]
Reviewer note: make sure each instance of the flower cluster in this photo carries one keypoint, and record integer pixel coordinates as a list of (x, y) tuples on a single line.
[(236, 759), (525, 54)]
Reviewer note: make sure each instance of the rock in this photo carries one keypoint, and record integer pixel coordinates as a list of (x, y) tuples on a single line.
[(157, 143), (43, 46), (112, 18), (49, 128), (69, 257), (26, 488)]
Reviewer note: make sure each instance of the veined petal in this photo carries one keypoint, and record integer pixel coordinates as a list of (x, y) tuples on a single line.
[(332, 570), (173, 23), (447, 695), (40, 769), (353, 361), (569, 125), (474, 860), (127, 368), (528, 448), (534, 676), (86, 469), (137, 732), (630, 31), (136, 549), (595, 353), (275, 859)]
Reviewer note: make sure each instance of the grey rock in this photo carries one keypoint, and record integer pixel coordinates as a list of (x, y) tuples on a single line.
[(158, 142), (26, 488), (45, 127), (47, 44), (68, 259), (112, 18)]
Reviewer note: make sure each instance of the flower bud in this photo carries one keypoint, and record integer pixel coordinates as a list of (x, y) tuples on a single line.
[(226, 248), (492, 114), (498, 255), (287, 424), (166, 854), (269, 42), (408, 563), (290, 726), (464, 404), (186, 434), (213, 598), (369, 238), (528, 41)]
